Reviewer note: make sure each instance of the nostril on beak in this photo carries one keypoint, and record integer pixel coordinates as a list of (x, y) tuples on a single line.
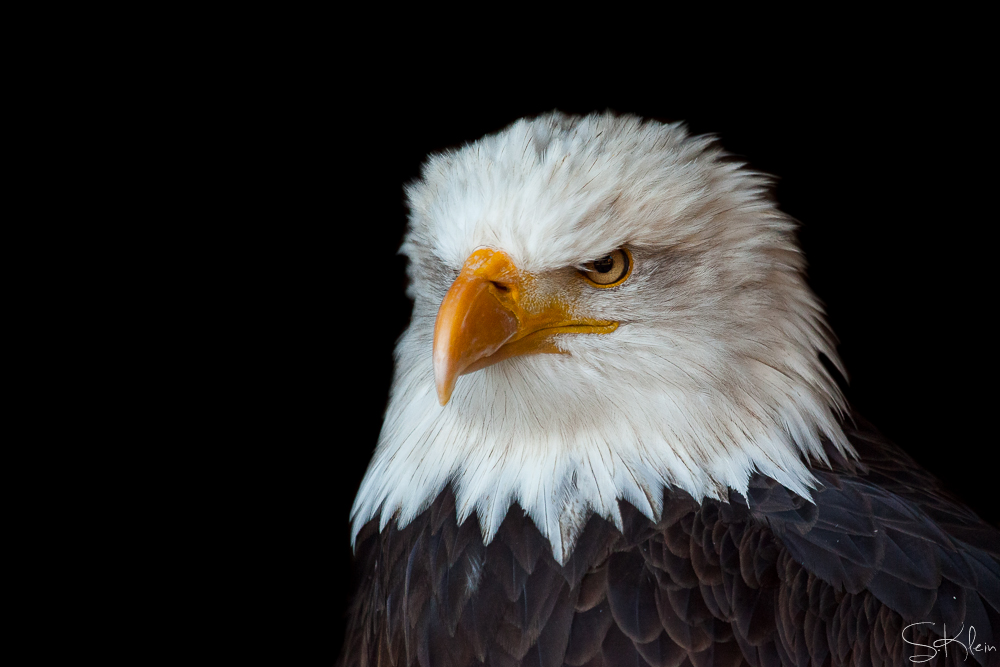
[(500, 286)]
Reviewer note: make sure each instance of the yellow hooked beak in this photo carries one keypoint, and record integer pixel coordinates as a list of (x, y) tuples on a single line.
[(491, 313)]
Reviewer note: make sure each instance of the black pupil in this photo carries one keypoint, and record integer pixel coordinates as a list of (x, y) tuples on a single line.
[(604, 264)]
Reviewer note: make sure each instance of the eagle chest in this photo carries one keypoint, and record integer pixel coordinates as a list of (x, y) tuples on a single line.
[(707, 585)]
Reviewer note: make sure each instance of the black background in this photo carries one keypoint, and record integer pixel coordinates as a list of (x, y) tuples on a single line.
[(880, 157)]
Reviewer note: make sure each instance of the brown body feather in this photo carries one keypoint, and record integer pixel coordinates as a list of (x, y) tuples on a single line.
[(765, 581)]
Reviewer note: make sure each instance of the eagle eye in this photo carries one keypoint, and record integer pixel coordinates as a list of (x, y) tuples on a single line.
[(610, 270)]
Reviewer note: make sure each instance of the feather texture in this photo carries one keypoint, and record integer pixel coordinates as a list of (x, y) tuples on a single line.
[(764, 580), (680, 490), (713, 373)]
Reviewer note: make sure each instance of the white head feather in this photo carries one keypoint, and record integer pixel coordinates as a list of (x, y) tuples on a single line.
[(714, 372)]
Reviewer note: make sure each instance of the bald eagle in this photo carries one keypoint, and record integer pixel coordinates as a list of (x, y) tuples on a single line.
[(611, 438)]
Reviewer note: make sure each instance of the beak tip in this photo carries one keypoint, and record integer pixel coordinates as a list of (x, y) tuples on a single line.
[(444, 393), (444, 377)]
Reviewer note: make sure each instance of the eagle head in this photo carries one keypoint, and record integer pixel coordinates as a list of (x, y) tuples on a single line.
[(604, 307)]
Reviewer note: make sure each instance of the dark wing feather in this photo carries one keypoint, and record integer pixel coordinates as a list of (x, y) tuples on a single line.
[(632, 595), (587, 634), (769, 579)]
